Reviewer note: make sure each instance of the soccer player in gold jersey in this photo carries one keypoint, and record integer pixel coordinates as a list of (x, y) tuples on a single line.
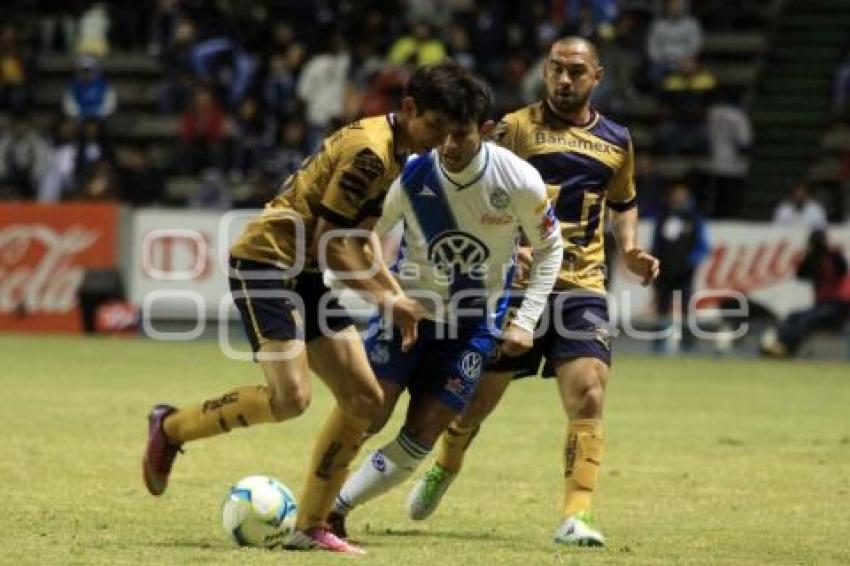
[(293, 325), (586, 160)]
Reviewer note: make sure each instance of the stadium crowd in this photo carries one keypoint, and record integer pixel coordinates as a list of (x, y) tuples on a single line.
[(257, 85)]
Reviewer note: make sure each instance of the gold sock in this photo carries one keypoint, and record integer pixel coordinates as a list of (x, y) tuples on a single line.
[(244, 406), (336, 447), (582, 458), (453, 444)]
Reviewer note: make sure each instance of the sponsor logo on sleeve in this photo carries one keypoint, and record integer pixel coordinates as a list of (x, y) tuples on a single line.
[(548, 223)]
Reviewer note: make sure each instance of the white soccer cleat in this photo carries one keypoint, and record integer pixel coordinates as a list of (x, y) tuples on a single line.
[(578, 531), (426, 494)]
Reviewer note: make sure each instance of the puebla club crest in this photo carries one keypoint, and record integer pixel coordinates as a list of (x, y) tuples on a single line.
[(499, 198)]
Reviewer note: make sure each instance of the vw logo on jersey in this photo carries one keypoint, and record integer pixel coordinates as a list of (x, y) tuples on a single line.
[(379, 462), (454, 251), (470, 365), (499, 198), (379, 353)]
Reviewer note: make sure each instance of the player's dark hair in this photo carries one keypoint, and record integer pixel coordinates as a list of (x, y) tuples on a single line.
[(450, 89)]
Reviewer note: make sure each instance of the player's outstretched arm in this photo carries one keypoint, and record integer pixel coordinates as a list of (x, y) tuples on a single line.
[(541, 228), (360, 259), (638, 261)]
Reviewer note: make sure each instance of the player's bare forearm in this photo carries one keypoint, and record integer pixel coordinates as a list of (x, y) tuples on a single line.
[(639, 262), (374, 252), (354, 255), (625, 228)]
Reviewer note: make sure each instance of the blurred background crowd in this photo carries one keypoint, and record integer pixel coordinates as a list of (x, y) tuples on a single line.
[(211, 103)]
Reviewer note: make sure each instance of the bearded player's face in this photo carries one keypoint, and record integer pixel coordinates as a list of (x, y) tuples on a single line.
[(571, 73)]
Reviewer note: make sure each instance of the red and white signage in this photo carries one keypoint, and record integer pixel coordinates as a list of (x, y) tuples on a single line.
[(178, 264), (756, 260), (179, 258), (44, 253)]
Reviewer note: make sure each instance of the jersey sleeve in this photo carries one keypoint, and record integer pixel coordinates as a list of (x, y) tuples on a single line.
[(392, 212), (506, 132), (621, 191), (540, 225), (356, 188)]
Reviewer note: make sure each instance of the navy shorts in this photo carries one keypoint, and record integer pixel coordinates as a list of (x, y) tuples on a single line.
[(445, 366), (572, 326), (275, 307)]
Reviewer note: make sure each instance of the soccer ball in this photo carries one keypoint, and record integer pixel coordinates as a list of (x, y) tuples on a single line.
[(259, 511)]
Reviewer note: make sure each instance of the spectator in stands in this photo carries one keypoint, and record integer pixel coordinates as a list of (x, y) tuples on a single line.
[(141, 182), (213, 191), (435, 13), (58, 24), (383, 91), (163, 26), (588, 18), (680, 242), (93, 36), (250, 130), (222, 63), (59, 181), (24, 157), (649, 185), (284, 155), (841, 89), (14, 91), (93, 147), (367, 63), (826, 269), (489, 28), (459, 47), (283, 38), (176, 91), (89, 95), (730, 136), (800, 210), (417, 48), (674, 37), (279, 87), (507, 93), (101, 183), (203, 133), (684, 97), (621, 61), (323, 83)]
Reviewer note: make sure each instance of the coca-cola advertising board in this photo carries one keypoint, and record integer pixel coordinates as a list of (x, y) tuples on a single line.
[(44, 253), (757, 261)]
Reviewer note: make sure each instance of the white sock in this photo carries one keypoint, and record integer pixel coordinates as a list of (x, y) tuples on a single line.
[(384, 469)]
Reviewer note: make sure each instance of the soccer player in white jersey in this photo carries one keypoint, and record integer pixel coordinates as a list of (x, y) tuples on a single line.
[(586, 159), (462, 207)]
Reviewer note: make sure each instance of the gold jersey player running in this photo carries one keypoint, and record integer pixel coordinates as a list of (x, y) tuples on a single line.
[(276, 283), (586, 161)]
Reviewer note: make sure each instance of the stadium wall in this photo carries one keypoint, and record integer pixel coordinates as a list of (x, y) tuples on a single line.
[(173, 263)]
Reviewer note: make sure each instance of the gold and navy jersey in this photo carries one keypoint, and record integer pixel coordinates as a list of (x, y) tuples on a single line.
[(345, 183), (586, 169)]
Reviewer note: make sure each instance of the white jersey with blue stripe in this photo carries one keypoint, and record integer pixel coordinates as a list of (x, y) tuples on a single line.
[(460, 233)]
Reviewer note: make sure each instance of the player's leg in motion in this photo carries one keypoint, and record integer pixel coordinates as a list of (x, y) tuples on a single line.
[(341, 362), (581, 382), (428, 491), (274, 329), (285, 395), (393, 463)]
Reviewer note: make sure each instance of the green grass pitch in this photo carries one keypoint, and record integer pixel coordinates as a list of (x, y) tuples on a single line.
[(707, 462)]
